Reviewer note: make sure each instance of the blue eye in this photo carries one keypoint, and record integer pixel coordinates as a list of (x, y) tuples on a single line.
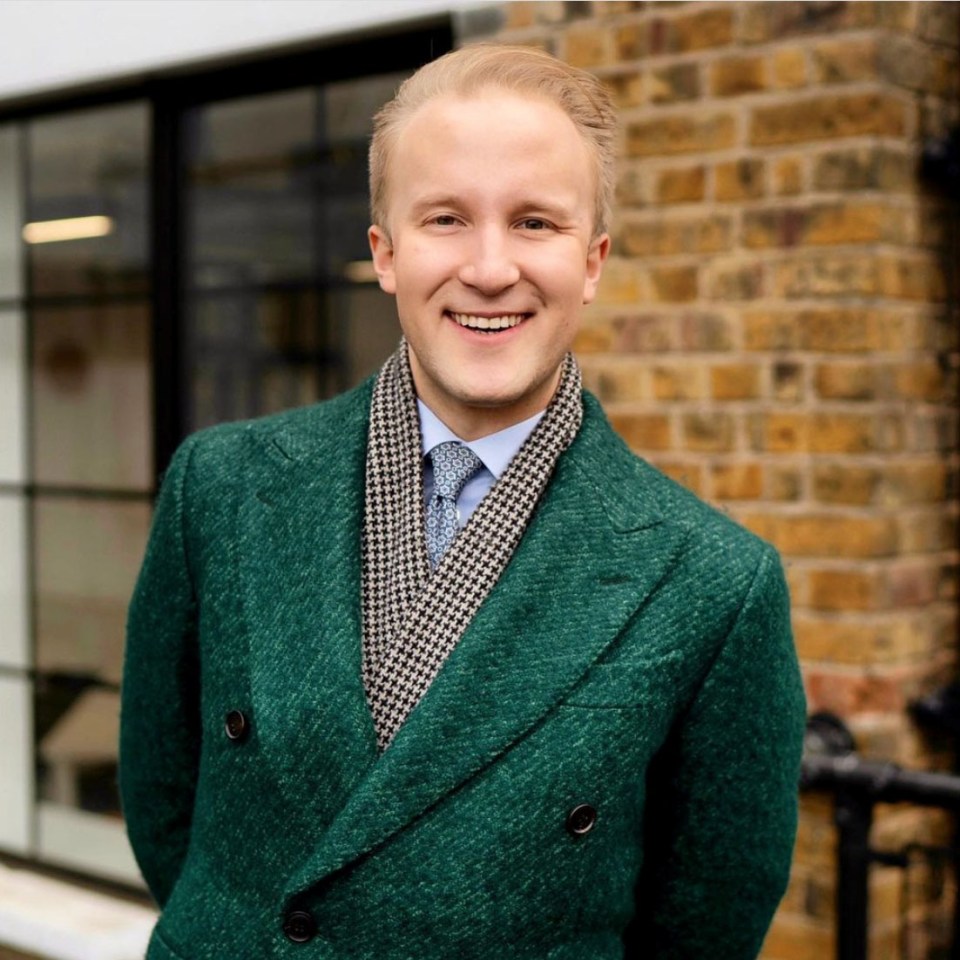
[(445, 220), (533, 223)]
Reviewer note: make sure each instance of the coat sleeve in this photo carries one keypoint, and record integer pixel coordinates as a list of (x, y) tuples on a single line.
[(160, 728), (723, 796)]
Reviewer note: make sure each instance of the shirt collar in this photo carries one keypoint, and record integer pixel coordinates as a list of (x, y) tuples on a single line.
[(496, 450)]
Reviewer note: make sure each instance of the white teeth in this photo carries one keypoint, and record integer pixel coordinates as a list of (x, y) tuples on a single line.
[(487, 323)]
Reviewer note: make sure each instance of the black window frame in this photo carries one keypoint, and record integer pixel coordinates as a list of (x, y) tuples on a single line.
[(169, 95)]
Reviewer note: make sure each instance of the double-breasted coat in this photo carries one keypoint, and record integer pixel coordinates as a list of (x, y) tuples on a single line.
[(607, 762)]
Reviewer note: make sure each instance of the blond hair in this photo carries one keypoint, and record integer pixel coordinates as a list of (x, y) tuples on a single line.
[(580, 95)]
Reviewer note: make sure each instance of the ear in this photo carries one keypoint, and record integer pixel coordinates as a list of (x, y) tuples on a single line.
[(382, 250), (596, 255)]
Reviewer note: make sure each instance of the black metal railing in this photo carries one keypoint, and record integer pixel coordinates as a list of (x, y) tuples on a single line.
[(857, 785)]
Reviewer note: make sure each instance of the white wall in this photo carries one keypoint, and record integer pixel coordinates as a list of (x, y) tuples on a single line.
[(50, 44)]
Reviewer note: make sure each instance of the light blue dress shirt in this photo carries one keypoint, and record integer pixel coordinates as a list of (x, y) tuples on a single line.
[(495, 452)]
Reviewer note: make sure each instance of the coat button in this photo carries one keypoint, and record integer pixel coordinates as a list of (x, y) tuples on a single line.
[(299, 926), (236, 725), (580, 819)]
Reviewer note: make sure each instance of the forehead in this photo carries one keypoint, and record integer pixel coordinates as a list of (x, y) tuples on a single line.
[(493, 135)]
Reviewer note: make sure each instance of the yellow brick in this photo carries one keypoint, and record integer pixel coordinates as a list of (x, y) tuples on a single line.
[(846, 381), (735, 381), (620, 283), (826, 535), (828, 117), (845, 483), (913, 483), (643, 431), (789, 68), (673, 284), (674, 83), (842, 590), (737, 481), (826, 276), (923, 380), (841, 61), (685, 185), (708, 432), (687, 133), (519, 14), (739, 180), (787, 176), (783, 483), (630, 41), (615, 382), (700, 30), (678, 382), (668, 235), (733, 76), (625, 88), (735, 280), (587, 45)]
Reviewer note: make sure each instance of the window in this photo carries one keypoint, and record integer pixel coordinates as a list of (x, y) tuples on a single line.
[(171, 255)]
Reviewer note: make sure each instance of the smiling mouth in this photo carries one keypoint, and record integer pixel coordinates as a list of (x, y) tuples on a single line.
[(488, 324)]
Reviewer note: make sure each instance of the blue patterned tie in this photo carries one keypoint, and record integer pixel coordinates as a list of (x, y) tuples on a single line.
[(453, 465)]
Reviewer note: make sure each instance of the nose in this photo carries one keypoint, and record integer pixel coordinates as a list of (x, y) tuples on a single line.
[(489, 265)]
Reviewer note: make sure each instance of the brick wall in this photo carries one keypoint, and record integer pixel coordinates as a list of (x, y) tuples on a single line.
[(777, 330)]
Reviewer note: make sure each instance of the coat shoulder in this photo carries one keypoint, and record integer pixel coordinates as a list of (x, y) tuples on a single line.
[(227, 451)]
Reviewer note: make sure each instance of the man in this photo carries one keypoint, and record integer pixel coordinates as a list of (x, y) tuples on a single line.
[(439, 668)]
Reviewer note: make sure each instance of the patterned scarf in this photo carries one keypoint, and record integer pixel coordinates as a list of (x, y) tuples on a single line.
[(412, 619)]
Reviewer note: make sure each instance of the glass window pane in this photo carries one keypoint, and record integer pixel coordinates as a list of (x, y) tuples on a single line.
[(77, 732), (14, 643), (11, 213), (372, 331), (251, 192), (87, 555), (16, 749), (92, 402), (87, 202), (256, 355), (12, 397)]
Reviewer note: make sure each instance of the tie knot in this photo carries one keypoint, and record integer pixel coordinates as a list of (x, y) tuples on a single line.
[(453, 465)]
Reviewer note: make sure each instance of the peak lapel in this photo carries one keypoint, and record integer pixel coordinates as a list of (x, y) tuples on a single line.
[(584, 566), (300, 564)]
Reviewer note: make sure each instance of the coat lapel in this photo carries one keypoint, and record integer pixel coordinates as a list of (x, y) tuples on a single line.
[(584, 566), (300, 565)]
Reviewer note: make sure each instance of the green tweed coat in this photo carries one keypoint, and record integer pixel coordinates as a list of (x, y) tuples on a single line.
[(635, 657)]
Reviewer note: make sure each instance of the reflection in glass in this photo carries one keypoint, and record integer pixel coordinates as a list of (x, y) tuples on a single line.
[(16, 751), (87, 553), (77, 731), (92, 396), (252, 356), (11, 213), (12, 397), (92, 163), (282, 308), (14, 644)]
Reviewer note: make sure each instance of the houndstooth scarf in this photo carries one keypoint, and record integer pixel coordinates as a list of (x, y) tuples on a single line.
[(412, 618)]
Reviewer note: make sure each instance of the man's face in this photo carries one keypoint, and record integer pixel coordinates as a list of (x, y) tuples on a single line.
[(491, 253)]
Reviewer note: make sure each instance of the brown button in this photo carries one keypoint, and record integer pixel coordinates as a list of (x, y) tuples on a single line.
[(580, 819), (235, 725), (299, 926)]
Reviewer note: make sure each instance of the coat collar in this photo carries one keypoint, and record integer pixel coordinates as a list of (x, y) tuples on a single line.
[(598, 533)]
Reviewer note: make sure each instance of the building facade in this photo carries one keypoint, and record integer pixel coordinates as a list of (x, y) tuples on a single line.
[(777, 329)]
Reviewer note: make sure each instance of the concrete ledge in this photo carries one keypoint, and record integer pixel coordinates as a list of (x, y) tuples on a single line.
[(56, 921)]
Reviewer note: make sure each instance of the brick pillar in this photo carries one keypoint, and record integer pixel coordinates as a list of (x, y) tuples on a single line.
[(777, 331)]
